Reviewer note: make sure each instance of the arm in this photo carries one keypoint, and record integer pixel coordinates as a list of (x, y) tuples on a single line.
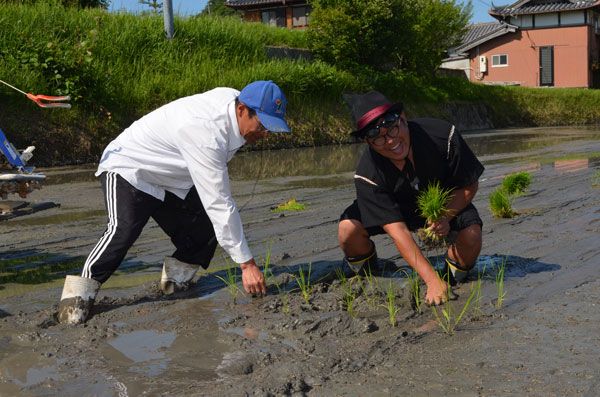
[(460, 199), (436, 288), (208, 168)]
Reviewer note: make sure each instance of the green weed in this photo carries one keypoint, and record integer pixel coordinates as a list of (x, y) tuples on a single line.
[(500, 204), (515, 184)]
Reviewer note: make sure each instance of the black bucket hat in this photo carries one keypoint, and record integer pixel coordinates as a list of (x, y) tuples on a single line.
[(367, 108)]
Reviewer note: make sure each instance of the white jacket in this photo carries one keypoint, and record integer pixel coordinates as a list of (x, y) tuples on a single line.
[(184, 143)]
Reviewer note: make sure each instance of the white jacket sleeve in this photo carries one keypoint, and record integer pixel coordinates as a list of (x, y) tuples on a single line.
[(208, 169)]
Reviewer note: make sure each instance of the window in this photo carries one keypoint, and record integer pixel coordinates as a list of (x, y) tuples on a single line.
[(500, 60), (300, 15), (274, 17)]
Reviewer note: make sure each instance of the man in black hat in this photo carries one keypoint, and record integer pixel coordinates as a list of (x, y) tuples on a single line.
[(402, 158)]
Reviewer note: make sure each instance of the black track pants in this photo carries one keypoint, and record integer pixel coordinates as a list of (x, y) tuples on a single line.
[(129, 209)]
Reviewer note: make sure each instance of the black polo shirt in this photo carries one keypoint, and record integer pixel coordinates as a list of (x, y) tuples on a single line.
[(385, 194)]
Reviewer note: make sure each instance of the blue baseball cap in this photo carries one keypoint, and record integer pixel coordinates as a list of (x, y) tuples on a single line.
[(268, 101)]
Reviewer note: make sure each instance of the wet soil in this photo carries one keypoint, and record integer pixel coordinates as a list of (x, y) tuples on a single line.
[(542, 340)]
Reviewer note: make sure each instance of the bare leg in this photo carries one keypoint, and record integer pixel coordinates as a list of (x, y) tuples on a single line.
[(467, 246), (353, 238)]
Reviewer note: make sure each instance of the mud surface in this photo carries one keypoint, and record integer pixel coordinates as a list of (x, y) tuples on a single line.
[(543, 340)]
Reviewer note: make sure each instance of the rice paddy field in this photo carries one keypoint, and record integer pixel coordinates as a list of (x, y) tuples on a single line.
[(525, 324)]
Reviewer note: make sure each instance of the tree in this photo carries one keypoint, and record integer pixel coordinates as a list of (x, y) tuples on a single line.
[(386, 34), (217, 7), (154, 4)]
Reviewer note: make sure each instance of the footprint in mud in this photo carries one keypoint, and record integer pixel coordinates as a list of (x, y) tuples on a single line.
[(236, 363)]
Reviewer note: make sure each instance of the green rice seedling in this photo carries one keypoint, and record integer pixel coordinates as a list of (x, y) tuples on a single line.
[(477, 302), (450, 317), (432, 203), (230, 280), (390, 303), (370, 297), (500, 204), (596, 178), (283, 293), (290, 205), (348, 295), (304, 282), (499, 277), (516, 183), (413, 281), (266, 269)]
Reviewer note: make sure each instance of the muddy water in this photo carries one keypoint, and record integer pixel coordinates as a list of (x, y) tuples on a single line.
[(542, 339)]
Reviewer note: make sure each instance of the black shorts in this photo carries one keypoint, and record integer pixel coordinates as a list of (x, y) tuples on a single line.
[(467, 217)]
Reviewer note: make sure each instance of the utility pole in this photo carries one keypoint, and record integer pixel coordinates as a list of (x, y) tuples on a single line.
[(168, 16)]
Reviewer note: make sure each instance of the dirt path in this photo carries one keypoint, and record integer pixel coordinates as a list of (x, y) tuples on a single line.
[(543, 340)]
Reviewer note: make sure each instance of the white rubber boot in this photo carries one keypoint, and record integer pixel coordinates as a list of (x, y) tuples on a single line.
[(176, 275), (77, 299)]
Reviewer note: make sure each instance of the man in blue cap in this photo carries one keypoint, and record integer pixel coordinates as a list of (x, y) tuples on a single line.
[(171, 165)]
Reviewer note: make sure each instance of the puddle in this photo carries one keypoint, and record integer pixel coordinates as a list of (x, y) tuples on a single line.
[(27, 369), (143, 345)]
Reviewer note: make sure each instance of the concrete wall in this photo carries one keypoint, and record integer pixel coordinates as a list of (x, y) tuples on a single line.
[(571, 57)]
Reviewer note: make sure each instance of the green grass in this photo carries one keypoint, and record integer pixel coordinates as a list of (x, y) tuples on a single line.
[(118, 67), (515, 184), (500, 204)]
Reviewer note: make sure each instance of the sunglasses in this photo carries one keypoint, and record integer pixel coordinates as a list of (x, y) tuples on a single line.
[(390, 124)]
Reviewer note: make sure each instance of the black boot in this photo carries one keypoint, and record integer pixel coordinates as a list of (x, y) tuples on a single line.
[(363, 264), (453, 273)]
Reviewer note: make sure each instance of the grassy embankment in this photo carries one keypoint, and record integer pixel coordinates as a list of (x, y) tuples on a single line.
[(117, 67)]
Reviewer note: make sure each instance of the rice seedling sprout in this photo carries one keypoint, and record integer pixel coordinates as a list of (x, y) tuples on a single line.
[(304, 282), (516, 183), (499, 276), (432, 203), (390, 304), (500, 204), (596, 178), (283, 293), (413, 282), (348, 295), (230, 280), (450, 317)]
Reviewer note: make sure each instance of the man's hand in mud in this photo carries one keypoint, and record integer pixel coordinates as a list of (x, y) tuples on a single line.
[(440, 227), (253, 279), (437, 292)]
